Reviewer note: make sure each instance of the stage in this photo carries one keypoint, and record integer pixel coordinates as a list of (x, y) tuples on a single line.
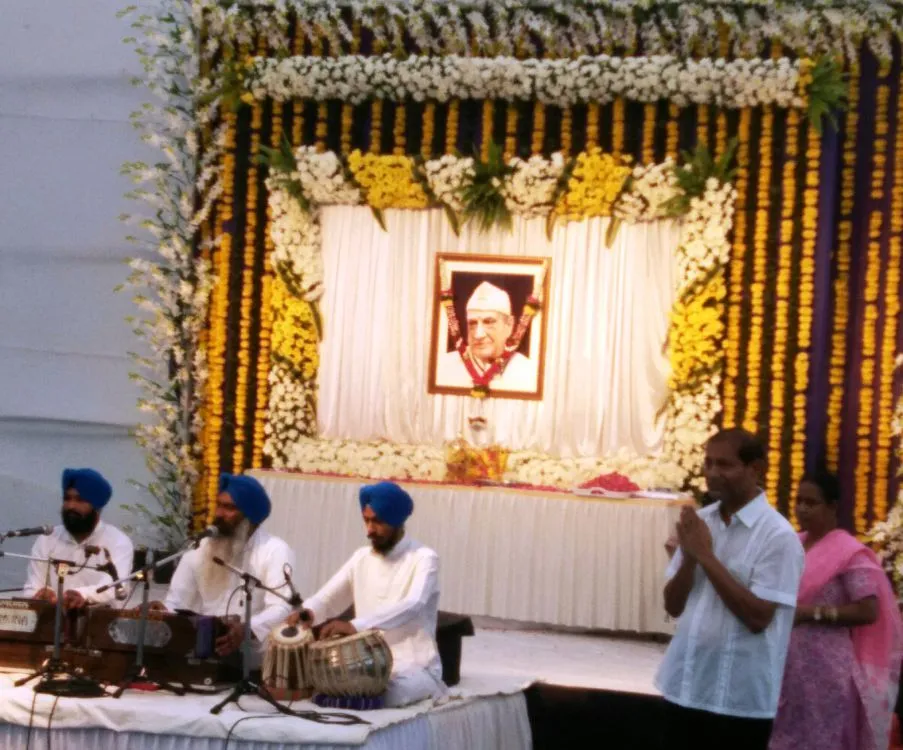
[(519, 689)]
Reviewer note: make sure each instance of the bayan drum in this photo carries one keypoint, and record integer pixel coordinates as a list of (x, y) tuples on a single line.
[(285, 671), (356, 665)]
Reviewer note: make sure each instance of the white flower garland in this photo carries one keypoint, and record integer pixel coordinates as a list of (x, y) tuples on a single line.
[(567, 30), (322, 178), (383, 460), (599, 79), (297, 254)]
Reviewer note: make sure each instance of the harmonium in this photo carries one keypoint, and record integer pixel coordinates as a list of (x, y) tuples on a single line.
[(102, 641)]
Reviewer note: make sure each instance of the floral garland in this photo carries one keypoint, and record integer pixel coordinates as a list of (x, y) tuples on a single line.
[(734, 84), (585, 27), (598, 185), (384, 460), (173, 289)]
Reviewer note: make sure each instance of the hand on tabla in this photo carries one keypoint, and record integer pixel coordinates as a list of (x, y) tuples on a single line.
[(337, 628)]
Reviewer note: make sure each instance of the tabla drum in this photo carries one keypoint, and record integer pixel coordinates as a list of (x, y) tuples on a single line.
[(285, 671), (356, 665)]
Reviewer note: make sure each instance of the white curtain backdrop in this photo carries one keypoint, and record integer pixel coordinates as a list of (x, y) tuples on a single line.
[(605, 370)]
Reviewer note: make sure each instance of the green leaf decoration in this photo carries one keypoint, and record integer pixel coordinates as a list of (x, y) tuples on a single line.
[(380, 217), (697, 169), (612, 232), (483, 199), (827, 93)]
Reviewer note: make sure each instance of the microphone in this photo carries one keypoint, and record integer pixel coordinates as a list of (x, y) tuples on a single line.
[(32, 531), (238, 571), (295, 599), (109, 567)]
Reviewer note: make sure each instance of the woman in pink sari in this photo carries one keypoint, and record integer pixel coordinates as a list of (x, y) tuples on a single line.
[(840, 682)]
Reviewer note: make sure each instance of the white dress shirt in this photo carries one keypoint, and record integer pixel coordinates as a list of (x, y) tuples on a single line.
[(521, 373), (714, 663), (264, 557), (62, 546), (397, 593)]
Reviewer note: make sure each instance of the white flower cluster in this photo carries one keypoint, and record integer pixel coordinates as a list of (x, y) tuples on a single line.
[(447, 177), (565, 30), (531, 188), (561, 82), (651, 187), (690, 423), (322, 178), (705, 244), (289, 415), (297, 244)]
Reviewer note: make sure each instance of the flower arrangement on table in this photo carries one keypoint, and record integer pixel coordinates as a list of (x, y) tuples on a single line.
[(467, 463)]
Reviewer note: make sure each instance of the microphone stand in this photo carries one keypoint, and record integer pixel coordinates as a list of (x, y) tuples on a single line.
[(138, 671), (57, 677), (247, 686)]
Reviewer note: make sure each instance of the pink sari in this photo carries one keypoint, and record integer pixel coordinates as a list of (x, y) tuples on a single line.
[(878, 648)]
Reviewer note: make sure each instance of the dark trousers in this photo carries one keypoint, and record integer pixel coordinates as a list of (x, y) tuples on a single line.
[(691, 729)]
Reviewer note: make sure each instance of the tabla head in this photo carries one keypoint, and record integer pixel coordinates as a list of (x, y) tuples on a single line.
[(291, 635)]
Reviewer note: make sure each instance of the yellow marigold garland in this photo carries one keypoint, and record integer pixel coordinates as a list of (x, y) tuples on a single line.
[(593, 113), (805, 308), (429, 130), (218, 315), (510, 129), (760, 274), (672, 131), (376, 126), (387, 181), (871, 291), (567, 130), (649, 112), (841, 291), (737, 289), (617, 127), (399, 141), (782, 307), (486, 129), (451, 126), (891, 313), (702, 123), (348, 109), (595, 183)]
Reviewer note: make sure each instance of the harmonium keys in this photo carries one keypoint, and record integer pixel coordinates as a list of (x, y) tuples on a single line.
[(177, 647), (26, 632)]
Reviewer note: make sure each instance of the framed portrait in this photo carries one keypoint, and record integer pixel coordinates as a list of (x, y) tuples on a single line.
[(489, 325)]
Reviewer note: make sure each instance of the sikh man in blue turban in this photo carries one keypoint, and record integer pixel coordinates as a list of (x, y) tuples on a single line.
[(85, 494), (393, 584), (204, 587)]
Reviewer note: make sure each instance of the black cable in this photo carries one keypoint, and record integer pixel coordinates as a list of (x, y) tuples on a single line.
[(56, 700), (232, 596), (34, 701), (245, 718)]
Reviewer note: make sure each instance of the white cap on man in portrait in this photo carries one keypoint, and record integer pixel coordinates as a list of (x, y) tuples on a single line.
[(489, 323)]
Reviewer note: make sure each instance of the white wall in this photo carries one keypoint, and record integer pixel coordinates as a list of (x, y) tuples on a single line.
[(65, 398)]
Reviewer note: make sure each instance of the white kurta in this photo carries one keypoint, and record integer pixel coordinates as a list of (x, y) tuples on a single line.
[(264, 557), (397, 593), (61, 545)]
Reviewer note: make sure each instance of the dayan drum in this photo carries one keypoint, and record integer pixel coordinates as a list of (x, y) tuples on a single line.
[(356, 665), (285, 670)]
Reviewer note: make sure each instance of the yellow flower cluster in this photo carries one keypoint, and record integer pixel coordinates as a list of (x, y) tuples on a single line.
[(247, 292), (760, 274), (294, 336), (595, 183), (737, 289), (387, 181), (219, 309), (696, 333), (841, 291), (782, 308), (806, 301)]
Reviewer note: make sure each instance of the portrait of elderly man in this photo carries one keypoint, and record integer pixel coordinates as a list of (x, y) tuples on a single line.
[(490, 322)]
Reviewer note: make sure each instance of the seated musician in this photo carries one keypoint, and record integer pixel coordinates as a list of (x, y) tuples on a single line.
[(206, 588), (394, 586), (85, 493)]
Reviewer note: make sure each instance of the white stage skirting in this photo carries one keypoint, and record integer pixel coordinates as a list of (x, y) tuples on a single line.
[(484, 712), (505, 553)]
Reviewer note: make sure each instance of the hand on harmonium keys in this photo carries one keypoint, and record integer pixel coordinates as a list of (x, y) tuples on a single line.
[(230, 641), (73, 600)]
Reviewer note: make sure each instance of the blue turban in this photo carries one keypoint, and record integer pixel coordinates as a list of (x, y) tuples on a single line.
[(89, 484), (248, 495), (390, 503)]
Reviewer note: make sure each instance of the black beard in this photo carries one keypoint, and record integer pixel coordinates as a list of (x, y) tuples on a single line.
[(79, 525)]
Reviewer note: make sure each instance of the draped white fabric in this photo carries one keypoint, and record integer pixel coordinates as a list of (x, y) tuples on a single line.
[(529, 556), (158, 721), (606, 368)]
